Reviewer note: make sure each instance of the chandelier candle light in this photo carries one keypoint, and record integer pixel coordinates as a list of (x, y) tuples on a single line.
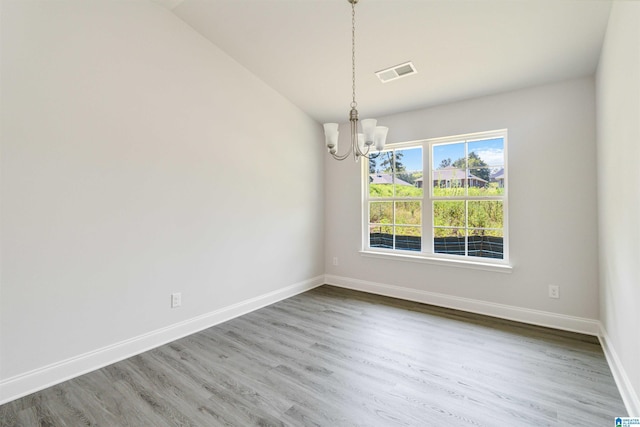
[(371, 135)]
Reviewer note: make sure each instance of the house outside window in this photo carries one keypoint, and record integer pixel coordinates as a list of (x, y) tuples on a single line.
[(460, 214)]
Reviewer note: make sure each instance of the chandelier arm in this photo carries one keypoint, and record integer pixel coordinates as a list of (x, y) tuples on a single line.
[(365, 152), (343, 157), (370, 156)]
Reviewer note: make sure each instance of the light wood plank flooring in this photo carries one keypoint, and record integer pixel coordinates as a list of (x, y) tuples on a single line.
[(334, 357)]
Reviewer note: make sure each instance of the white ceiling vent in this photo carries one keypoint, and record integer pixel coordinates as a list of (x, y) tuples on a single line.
[(396, 72)]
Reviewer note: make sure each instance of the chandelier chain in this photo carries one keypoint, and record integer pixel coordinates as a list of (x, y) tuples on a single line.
[(372, 135), (354, 104)]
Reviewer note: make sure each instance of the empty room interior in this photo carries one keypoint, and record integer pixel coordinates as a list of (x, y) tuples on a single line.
[(198, 227)]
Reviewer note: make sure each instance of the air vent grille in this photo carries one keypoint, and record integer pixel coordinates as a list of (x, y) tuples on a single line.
[(396, 72)]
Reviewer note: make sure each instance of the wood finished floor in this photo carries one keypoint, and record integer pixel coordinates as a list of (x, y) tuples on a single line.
[(334, 357)]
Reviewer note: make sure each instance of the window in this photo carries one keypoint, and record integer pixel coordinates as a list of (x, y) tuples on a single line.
[(396, 199), (458, 212)]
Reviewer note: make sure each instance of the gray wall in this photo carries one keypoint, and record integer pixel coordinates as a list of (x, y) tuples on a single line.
[(552, 210), (618, 102), (139, 160)]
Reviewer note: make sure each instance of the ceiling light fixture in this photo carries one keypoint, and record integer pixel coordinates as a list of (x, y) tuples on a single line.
[(371, 135)]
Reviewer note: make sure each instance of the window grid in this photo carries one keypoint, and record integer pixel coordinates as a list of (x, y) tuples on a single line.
[(486, 243), (402, 227)]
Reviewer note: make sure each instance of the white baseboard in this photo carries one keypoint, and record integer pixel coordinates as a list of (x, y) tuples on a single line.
[(47, 376), (630, 397), (525, 315), (41, 378)]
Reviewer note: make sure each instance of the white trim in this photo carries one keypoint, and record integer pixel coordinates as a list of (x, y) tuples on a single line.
[(47, 376), (502, 311), (459, 262), (629, 396)]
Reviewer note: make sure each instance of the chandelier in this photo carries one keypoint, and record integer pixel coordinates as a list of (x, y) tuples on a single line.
[(371, 134)]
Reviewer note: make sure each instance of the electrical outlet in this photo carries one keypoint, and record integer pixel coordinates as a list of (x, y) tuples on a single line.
[(335, 260), (554, 291), (176, 300)]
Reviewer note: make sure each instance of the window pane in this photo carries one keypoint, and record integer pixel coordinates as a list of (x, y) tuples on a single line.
[(381, 212), (407, 168), (448, 241), (486, 243), (448, 155), (448, 214), (380, 181), (478, 186), (486, 214), (418, 181), (406, 189), (409, 160), (449, 182), (373, 164), (408, 238), (381, 237), (496, 180), (376, 159), (478, 181), (406, 185), (380, 185), (384, 162), (486, 152), (449, 170), (409, 213)]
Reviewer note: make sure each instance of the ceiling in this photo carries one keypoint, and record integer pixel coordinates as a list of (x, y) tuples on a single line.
[(461, 48)]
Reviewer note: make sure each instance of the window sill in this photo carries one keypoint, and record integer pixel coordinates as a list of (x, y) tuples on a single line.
[(447, 262)]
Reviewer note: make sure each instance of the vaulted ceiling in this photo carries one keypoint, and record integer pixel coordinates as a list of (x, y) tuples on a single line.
[(461, 48)]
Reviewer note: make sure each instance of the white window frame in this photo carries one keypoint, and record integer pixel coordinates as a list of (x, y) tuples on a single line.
[(427, 253)]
